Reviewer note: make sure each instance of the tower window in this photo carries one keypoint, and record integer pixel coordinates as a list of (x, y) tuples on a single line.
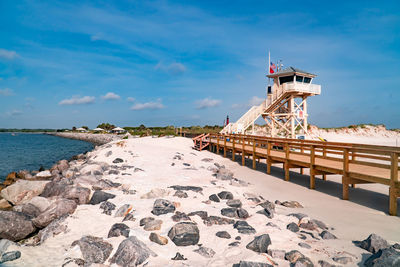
[(299, 79), (307, 80), (286, 79)]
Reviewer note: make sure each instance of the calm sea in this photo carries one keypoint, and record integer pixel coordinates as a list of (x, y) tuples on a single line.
[(24, 151)]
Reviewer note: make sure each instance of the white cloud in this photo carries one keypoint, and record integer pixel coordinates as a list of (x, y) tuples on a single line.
[(130, 99), (7, 54), (173, 68), (6, 92), (76, 100), (14, 112), (96, 37), (111, 96), (207, 103), (148, 105), (254, 101)]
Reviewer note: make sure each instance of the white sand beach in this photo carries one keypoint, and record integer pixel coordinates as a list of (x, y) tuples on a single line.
[(158, 163)]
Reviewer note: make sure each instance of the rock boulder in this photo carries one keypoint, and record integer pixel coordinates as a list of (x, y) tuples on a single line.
[(23, 191), (15, 226)]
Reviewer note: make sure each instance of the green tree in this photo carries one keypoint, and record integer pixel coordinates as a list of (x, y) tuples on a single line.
[(73, 128), (85, 127), (106, 126)]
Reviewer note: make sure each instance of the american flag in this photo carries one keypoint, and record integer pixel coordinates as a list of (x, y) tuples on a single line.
[(272, 66)]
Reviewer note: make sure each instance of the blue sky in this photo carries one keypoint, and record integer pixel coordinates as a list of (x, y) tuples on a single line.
[(158, 63)]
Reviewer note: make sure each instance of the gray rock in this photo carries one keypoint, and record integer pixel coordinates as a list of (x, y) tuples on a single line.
[(384, 257), (223, 234), (28, 209), (292, 204), (234, 244), (299, 216), (205, 252), (115, 172), (105, 184), (145, 220), (211, 220), (54, 188), (54, 228), (396, 246), (108, 153), (118, 160), (180, 216), (107, 207), (156, 238), (57, 209), (162, 206), (224, 174), (276, 253), (303, 262), (207, 160), (320, 224), (267, 212), (304, 245), (234, 203), (323, 263), (118, 229), (242, 213), (244, 228), (225, 195), (132, 252), (214, 198), (10, 256), (309, 226), (94, 249), (373, 243), (187, 188), (229, 212), (4, 244), (202, 214), (153, 225), (271, 224), (184, 234), (180, 194), (179, 257), (260, 243), (293, 255), (251, 264), (77, 193), (100, 196), (238, 238), (129, 217), (293, 227), (327, 235), (343, 259), (123, 210)]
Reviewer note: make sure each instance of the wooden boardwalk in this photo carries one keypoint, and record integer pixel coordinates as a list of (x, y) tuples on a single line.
[(357, 163)]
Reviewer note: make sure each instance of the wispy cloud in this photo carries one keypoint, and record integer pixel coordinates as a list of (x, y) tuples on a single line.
[(96, 37), (76, 100), (148, 105), (6, 92), (7, 54), (254, 101), (14, 112), (111, 96), (130, 99), (207, 103), (173, 68)]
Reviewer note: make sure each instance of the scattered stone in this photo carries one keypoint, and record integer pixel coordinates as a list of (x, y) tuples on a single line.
[(293, 227), (144, 221), (4, 244), (57, 209), (373, 243), (100, 196), (343, 259), (310, 234), (22, 191), (238, 238), (123, 210), (396, 246), (107, 207), (202, 214), (77, 193), (244, 228), (131, 252), (54, 228), (223, 234), (186, 164), (129, 217), (207, 160), (293, 255), (108, 153), (323, 263), (327, 235), (28, 209), (180, 216), (224, 174), (309, 226), (302, 237), (251, 264), (113, 172), (10, 256), (205, 252), (320, 224), (162, 206), (43, 174), (179, 257), (304, 245), (269, 209), (252, 197), (187, 188), (260, 243), (94, 249), (153, 225), (155, 193), (156, 238), (234, 203), (234, 244), (299, 216), (180, 194), (225, 195), (303, 262), (277, 253), (211, 220), (214, 198), (291, 204), (384, 257), (271, 224), (184, 234), (118, 229), (118, 160), (40, 202)]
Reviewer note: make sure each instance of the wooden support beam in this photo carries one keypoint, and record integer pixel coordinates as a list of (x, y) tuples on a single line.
[(345, 177), (286, 164), (243, 152), (301, 170), (312, 163), (233, 148), (224, 146), (254, 154), (394, 179)]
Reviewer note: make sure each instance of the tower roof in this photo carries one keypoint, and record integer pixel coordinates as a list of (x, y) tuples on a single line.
[(289, 71)]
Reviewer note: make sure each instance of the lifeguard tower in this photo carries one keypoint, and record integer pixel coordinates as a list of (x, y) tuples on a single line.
[(285, 108)]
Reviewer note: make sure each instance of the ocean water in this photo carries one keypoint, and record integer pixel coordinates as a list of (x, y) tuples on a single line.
[(24, 151)]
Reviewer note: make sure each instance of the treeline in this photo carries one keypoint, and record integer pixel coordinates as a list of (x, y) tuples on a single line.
[(3, 130), (171, 130)]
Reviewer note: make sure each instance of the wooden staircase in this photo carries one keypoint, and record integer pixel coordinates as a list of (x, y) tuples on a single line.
[(202, 141)]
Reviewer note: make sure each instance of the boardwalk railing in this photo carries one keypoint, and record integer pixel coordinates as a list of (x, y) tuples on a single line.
[(357, 163)]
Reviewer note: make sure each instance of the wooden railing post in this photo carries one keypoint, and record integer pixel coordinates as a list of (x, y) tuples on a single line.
[(224, 146), (287, 151), (345, 177), (254, 153), (324, 155), (394, 179), (233, 148), (243, 153), (312, 163), (269, 161)]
